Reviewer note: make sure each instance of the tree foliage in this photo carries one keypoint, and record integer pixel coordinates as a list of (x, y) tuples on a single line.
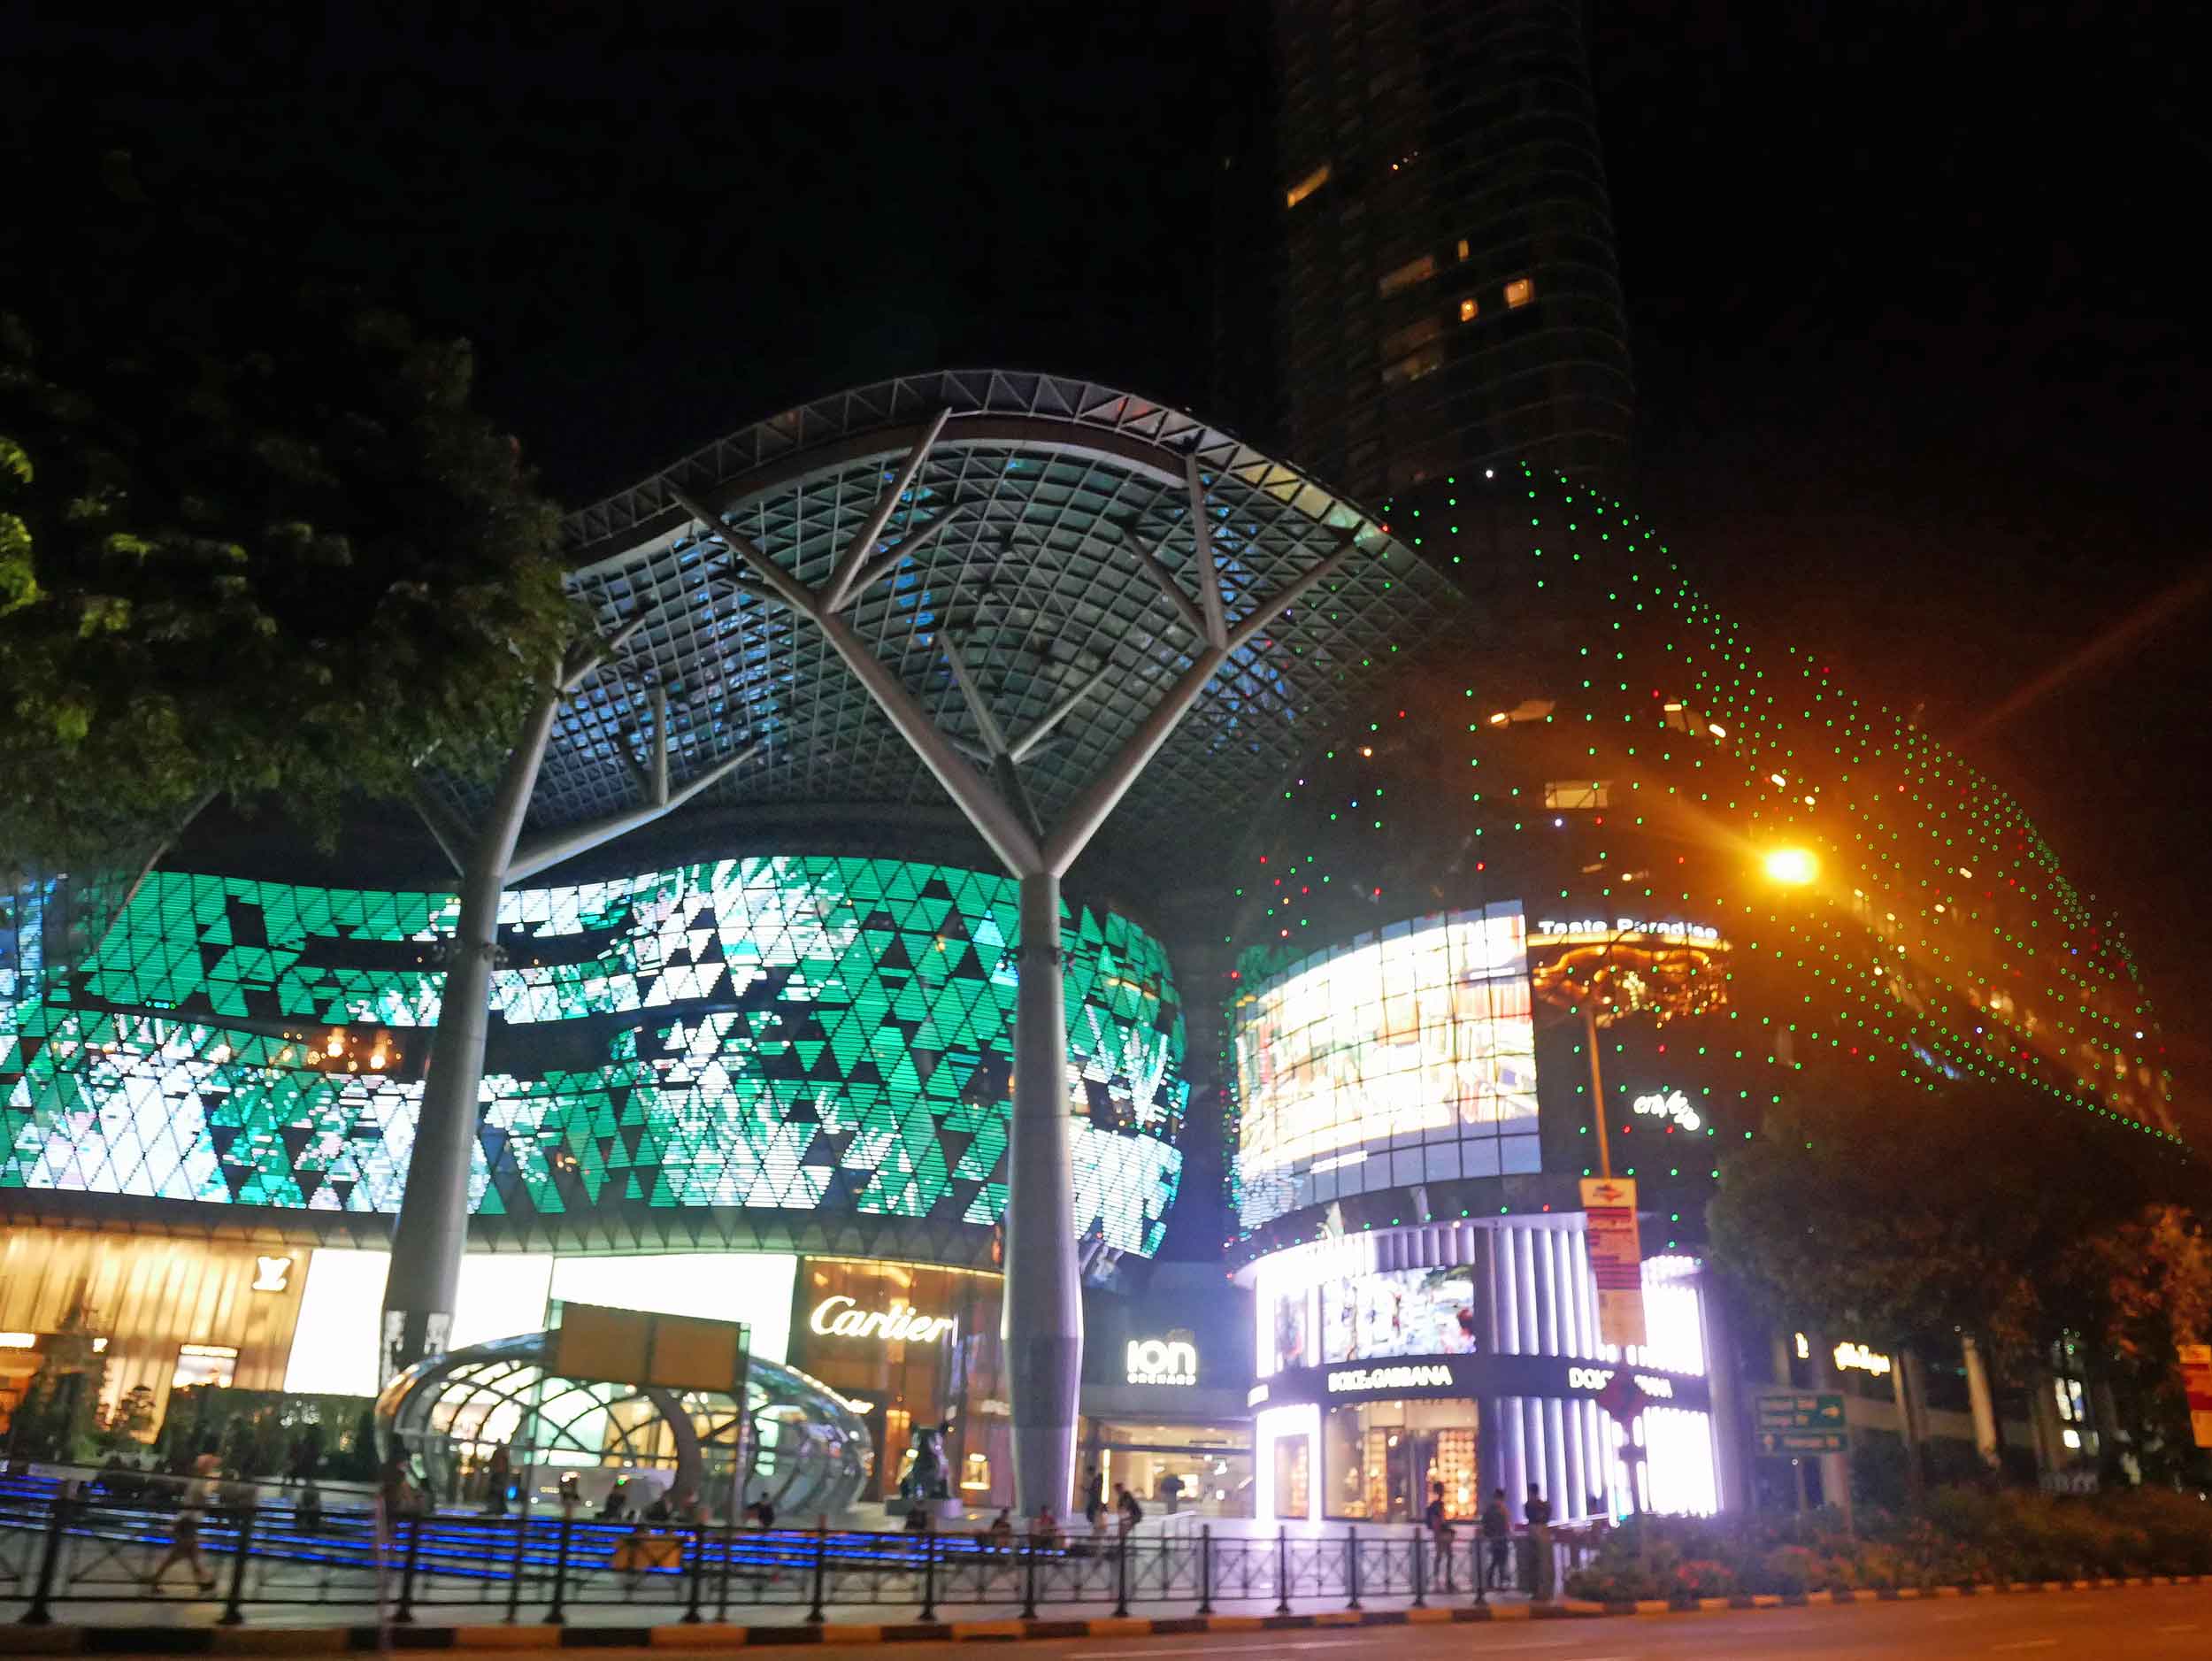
[(253, 538), (1902, 1221)]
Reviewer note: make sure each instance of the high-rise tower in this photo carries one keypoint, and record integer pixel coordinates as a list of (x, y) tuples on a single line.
[(1450, 293)]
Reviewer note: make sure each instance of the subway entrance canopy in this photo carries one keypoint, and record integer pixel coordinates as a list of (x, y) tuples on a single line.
[(1046, 532)]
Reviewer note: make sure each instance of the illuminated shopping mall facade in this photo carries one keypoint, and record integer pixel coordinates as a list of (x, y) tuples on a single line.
[(1578, 804), (757, 1064), (754, 1063)]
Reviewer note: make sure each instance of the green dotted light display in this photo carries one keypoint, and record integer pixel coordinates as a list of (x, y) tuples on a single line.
[(1939, 942)]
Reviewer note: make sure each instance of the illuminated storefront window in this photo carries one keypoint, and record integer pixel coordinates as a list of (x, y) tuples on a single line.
[(911, 1347), (1212, 1464), (204, 1364)]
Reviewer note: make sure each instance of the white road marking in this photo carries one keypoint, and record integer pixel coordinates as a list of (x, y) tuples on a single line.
[(1220, 1649), (2028, 1643)]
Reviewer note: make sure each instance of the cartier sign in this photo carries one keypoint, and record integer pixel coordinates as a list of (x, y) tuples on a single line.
[(840, 1316)]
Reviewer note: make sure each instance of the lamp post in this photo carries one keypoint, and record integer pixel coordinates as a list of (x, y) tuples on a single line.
[(1786, 867)]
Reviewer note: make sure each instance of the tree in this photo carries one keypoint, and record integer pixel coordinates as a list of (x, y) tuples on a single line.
[(1907, 1219), (58, 1416), (253, 540)]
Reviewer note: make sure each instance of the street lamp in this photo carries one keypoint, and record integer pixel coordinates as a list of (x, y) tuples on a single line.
[(1792, 867), (1787, 867)]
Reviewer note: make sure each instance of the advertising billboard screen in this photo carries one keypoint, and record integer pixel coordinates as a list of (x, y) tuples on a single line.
[(1399, 1312), (1402, 1056)]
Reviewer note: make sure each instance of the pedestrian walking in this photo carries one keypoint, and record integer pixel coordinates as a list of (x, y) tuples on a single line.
[(1171, 1491), (1094, 1500), (184, 1532)]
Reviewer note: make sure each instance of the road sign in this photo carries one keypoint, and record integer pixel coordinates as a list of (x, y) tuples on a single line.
[(1621, 1397), (2196, 1378), (1616, 1258), (1793, 1423)]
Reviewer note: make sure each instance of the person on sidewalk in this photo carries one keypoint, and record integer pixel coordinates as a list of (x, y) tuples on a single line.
[(1130, 1513), (1536, 1510), (500, 1475), (1171, 1491), (1497, 1536), (1439, 1527), (1094, 1500), (184, 1534)]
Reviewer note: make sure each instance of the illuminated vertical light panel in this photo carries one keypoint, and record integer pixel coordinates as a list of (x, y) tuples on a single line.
[(793, 1033), (334, 1341), (1275, 1426), (1403, 1057)]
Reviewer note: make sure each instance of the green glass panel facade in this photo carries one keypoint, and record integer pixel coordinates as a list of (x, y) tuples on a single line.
[(781, 1033)]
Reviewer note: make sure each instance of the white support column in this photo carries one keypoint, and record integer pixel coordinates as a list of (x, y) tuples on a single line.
[(1041, 1323), (1980, 1401), (432, 1228)]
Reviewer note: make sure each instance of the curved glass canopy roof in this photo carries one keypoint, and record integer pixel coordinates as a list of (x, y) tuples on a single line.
[(1034, 534)]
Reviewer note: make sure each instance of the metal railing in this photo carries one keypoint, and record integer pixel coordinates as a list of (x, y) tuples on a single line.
[(61, 1552)]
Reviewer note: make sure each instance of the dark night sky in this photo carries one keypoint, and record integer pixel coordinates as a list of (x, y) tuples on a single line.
[(1918, 319)]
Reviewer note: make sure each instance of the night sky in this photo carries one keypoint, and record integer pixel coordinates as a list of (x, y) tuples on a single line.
[(1918, 316)]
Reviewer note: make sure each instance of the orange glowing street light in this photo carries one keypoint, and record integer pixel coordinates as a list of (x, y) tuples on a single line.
[(1793, 867)]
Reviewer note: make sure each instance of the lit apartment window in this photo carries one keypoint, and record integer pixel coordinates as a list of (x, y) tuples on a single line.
[(1406, 275), (1467, 311), (1567, 795), (1462, 247), (1307, 186), (1520, 291)]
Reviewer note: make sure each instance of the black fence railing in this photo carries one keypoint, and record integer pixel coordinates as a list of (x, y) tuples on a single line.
[(61, 1551)]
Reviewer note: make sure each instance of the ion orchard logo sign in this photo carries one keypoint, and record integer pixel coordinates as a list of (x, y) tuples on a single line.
[(1162, 1361), (1414, 1378), (840, 1318)]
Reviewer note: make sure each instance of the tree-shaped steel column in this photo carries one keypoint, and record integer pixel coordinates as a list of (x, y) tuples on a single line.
[(432, 1224), (1042, 1324)]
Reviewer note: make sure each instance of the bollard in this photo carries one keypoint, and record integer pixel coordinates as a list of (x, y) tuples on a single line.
[(557, 1616), (929, 1574), (1121, 1576), (39, 1614), (698, 1575), (722, 1591), (1205, 1568), (1029, 1579), (233, 1614), (405, 1615), (815, 1613), (1420, 1591), (1351, 1565), (1282, 1570), (514, 1566)]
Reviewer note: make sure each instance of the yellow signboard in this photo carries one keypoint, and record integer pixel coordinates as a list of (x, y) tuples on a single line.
[(679, 1352)]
